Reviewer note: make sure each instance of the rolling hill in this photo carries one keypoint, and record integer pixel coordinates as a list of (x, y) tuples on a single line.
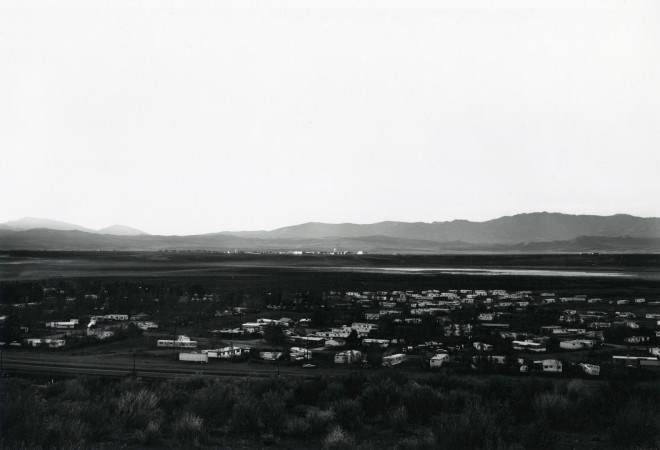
[(524, 233)]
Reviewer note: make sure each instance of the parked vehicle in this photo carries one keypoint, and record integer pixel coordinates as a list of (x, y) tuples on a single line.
[(194, 357)]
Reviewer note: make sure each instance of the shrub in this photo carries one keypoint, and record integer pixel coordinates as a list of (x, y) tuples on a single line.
[(319, 420), (74, 391), (137, 409), (65, 432), (537, 435), (425, 441), (272, 409), (398, 418), (172, 398), (379, 396), (214, 403), (191, 383), (335, 390), (551, 408), (150, 435), (189, 428), (637, 424), (308, 392), (348, 413), (24, 415), (476, 427), (421, 402), (338, 439), (353, 384), (98, 417), (296, 426), (245, 416)]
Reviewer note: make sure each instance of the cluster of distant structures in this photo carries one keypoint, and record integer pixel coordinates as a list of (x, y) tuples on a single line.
[(475, 328), (575, 329)]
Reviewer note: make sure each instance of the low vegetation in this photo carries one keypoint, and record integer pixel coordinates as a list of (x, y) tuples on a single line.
[(384, 410)]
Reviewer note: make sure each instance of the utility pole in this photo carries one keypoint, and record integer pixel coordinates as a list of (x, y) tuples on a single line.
[(174, 341), (134, 371)]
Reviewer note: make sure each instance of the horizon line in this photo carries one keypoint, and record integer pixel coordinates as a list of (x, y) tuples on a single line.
[(97, 230)]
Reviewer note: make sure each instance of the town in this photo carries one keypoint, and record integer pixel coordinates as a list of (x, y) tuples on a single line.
[(489, 331)]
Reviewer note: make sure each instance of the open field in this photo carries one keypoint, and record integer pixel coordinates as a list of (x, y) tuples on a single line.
[(40, 265), (594, 274)]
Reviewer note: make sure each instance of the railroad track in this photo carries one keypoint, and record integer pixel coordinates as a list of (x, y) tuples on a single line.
[(119, 368)]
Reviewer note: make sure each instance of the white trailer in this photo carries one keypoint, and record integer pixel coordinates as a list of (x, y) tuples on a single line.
[(438, 360), (482, 346), (194, 357), (393, 360), (590, 369), (348, 357), (550, 365), (572, 345)]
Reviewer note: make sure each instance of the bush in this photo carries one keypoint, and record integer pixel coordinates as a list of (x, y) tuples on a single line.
[(98, 417), (637, 424), (398, 418), (476, 427), (537, 435), (335, 390), (338, 439), (24, 414), (348, 413), (272, 409), (421, 402), (214, 403), (319, 420), (74, 391), (353, 384), (296, 426), (245, 416), (308, 392), (150, 435), (65, 432), (189, 428), (551, 408), (137, 409), (379, 396), (425, 441)]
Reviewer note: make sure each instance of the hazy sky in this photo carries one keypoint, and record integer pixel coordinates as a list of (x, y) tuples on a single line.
[(181, 117)]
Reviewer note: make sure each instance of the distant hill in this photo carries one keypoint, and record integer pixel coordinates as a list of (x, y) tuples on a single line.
[(34, 223), (30, 223), (524, 233), (121, 230), (511, 229)]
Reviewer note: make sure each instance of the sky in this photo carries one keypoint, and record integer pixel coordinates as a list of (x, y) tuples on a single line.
[(185, 117)]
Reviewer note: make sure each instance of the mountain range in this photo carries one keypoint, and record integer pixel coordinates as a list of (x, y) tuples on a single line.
[(523, 233), (32, 223)]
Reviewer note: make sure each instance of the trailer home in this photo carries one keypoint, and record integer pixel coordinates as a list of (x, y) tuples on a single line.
[(393, 360), (438, 360)]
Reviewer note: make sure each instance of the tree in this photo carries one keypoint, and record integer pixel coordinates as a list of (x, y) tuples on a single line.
[(274, 334), (352, 340)]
